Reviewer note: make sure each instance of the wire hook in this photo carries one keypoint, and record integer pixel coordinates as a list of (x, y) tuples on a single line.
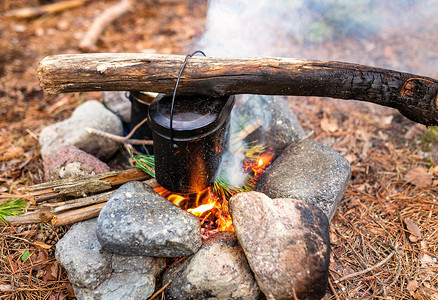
[(174, 93)]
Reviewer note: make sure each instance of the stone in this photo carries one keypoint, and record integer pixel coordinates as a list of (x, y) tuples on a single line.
[(286, 242), (138, 221), (279, 125), (310, 172), (98, 274), (79, 253), (73, 131), (70, 162), (219, 270), (119, 104)]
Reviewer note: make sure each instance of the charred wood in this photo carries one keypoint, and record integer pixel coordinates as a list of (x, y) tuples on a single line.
[(414, 96)]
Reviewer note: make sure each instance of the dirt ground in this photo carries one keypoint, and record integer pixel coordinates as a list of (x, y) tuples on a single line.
[(384, 235)]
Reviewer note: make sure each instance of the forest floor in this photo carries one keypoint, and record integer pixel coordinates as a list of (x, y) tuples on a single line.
[(384, 235)]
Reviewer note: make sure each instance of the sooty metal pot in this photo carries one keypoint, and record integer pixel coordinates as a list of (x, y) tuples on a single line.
[(187, 157)]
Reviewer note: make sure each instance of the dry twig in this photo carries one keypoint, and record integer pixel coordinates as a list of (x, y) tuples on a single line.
[(90, 39), (367, 269), (160, 290), (118, 138), (72, 211), (32, 12)]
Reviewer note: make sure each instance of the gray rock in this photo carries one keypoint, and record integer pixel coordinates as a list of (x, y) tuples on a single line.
[(73, 131), (69, 161), (280, 126), (286, 242), (119, 104), (219, 270), (80, 254), (97, 274), (138, 221), (308, 171)]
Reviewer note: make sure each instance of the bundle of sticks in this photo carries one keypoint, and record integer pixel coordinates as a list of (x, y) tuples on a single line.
[(68, 201)]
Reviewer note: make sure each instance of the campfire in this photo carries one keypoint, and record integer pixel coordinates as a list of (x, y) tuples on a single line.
[(207, 165), (211, 204)]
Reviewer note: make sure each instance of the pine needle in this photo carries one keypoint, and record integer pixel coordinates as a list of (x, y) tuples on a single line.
[(12, 207), (146, 163), (222, 188), (225, 190)]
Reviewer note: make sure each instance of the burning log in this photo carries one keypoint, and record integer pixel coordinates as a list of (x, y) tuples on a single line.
[(414, 96)]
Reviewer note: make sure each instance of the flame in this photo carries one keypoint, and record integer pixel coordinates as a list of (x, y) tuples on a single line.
[(258, 164), (216, 204), (176, 199), (198, 211)]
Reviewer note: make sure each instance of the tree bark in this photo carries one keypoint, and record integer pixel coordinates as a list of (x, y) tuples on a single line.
[(78, 187), (414, 96)]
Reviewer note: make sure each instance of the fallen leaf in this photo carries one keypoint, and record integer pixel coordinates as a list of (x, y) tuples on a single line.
[(41, 260), (354, 202), (51, 272), (13, 265), (6, 287), (329, 124), (58, 296), (25, 255), (12, 152), (434, 170), (53, 221), (347, 271), (413, 228), (351, 158), (419, 177), (363, 135), (427, 260), (424, 246), (69, 288), (42, 245), (412, 286), (417, 129), (366, 147)]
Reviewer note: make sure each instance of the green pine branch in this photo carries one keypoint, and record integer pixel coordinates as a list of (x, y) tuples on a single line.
[(12, 207)]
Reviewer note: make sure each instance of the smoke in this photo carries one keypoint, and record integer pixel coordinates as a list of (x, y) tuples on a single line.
[(313, 29), (394, 34)]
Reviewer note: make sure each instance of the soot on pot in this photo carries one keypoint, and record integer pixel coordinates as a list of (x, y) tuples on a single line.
[(188, 155)]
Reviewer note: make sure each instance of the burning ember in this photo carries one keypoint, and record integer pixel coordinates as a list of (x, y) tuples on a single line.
[(211, 204)]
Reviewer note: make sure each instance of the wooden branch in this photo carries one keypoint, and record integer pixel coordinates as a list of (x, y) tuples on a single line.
[(118, 138), (77, 203), (77, 215), (102, 21), (83, 186), (71, 211), (57, 219), (414, 96), (32, 12), (66, 213), (38, 216)]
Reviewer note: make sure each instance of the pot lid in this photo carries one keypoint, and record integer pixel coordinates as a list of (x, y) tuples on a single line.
[(194, 116)]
